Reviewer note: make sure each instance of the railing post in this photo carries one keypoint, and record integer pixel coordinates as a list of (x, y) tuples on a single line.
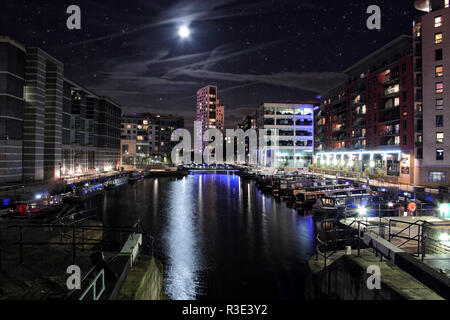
[(423, 245), (73, 243), (389, 235), (359, 238), (418, 239), (21, 245)]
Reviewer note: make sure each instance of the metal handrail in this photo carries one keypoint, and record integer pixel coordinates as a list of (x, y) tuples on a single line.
[(93, 286), (74, 243), (336, 240), (148, 238)]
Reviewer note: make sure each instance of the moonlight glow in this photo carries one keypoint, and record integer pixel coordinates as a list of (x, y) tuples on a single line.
[(184, 32)]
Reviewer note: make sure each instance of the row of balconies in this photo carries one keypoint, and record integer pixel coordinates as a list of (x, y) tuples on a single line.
[(288, 122)]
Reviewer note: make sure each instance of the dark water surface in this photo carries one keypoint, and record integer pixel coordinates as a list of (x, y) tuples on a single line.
[(218, 236)]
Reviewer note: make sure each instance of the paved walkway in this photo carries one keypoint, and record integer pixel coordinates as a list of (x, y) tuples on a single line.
[(439, 262), (398, 227)]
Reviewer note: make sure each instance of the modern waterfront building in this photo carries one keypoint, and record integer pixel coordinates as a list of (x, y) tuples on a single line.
[(146, 137), (367, 123), (90, 131), (289, 130), (431, 34), (210, 112), (50, 126), (389, 118)]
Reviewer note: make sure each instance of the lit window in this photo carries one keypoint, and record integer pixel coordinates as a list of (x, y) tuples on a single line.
[(128, 126), (446, 3), (439, 104), (145, 122), (439, 87), (437, 176), (438, 38), (439, 71), (440, 137), (439, 154), (140, 138), (438, 22)]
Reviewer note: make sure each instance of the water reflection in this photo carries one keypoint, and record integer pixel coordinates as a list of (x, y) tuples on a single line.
[(182, 249), (218, 236)]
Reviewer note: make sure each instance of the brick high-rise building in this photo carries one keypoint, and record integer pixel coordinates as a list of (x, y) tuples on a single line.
[(390, 117), (431, 34), (367, 123), (209, 111)]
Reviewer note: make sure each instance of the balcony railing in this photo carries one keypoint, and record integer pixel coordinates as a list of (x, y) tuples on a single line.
[(390, 133), (393, 78)]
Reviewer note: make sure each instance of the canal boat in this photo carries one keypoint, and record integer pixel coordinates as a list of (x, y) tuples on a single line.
[(135, 176), (39, 207), (306, 199), (338, 205), (86, 192), (115, 183)]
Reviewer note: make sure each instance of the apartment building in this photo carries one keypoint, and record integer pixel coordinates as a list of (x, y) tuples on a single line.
[(146, 137), (431, 34), (289, 134), (50, 126), (209, 112), (367, 123)]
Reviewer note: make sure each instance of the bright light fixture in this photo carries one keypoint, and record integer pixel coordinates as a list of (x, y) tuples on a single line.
[(362, 211), (444, 209)]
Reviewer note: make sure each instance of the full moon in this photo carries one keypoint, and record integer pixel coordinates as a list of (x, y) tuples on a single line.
[(184, 32)]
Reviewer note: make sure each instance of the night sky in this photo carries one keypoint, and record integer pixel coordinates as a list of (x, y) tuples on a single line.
[(254, 51)]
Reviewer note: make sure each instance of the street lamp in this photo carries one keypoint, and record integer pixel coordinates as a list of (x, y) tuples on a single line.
[(444, 210), (362, 212)]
